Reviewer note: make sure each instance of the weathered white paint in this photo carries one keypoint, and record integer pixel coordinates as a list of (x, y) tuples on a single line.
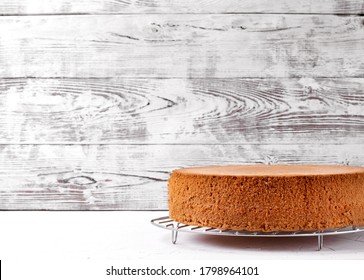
[(101, 177), (182, 111), (182, 46), (180, 6), (172, 84)]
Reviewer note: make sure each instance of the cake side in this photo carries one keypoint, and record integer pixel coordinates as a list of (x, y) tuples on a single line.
[(336, 201), (267, 203)]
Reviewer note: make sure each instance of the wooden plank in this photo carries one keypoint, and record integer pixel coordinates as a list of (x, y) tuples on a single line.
[(101, 177), (182, 111), (26, 7), (182, 46)]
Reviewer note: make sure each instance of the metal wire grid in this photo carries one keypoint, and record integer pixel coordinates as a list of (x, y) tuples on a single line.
[(175, 227)]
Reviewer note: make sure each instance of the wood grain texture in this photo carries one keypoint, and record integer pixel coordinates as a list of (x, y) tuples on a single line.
[(182, 111), (119, 177), (26, 7), (182, 46), (110, 96)]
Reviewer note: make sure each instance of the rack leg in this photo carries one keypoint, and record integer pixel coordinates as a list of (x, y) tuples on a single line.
[(320, 242), (175, 234)]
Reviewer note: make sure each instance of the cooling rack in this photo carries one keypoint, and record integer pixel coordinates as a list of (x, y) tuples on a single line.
[(176, 227)]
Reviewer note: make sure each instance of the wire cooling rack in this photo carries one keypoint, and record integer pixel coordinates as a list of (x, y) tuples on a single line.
[(175, 227)]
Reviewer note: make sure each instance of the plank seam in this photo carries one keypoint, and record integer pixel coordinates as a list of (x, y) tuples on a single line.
[(170, 13), (96, 210), (173, 144), (179, 77)]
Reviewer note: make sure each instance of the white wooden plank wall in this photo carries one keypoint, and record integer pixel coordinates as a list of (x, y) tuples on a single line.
[(182, 46), (27, 7), (100, 100)]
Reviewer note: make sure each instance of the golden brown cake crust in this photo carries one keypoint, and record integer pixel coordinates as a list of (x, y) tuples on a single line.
[(268, 197)]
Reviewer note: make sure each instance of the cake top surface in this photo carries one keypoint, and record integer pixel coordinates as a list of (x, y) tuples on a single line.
[(271, 170)]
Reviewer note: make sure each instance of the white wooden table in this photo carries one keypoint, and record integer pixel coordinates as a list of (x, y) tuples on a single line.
[(127, 235)]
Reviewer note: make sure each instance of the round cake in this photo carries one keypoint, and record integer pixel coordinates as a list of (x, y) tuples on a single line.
[(268, 197)]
